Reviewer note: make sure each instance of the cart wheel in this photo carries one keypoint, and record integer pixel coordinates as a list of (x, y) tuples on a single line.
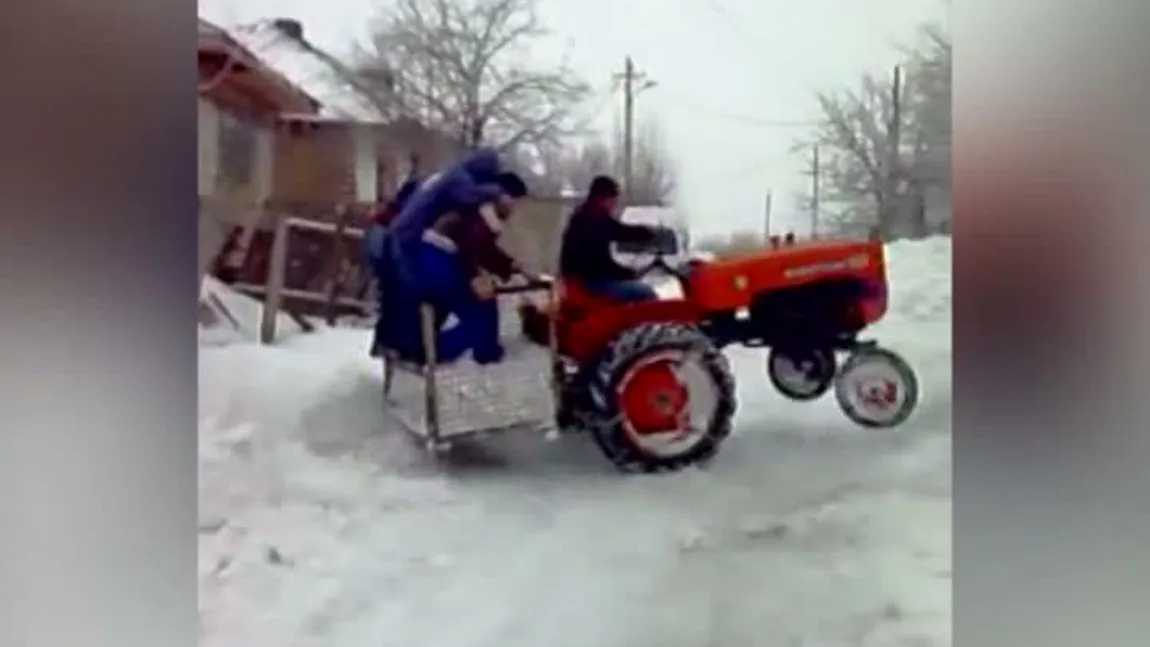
[(877, 389), (661, 398), (802, 375)]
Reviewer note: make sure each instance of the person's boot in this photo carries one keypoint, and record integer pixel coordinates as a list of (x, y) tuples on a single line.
[(488, 354), (377, 339)]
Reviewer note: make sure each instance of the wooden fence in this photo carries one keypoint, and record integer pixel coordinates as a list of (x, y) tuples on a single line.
[(305, 260)]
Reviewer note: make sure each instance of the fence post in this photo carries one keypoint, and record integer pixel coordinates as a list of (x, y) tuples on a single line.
[(337, 264), (277, 269)]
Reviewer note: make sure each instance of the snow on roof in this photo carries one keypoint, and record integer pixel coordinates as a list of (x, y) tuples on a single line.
[(208, 29), (212, 34), (305, 66)]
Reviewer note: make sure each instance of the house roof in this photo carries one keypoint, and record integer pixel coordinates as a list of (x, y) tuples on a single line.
[(210, 30), (249, 71), (212, 37), (317, 73)]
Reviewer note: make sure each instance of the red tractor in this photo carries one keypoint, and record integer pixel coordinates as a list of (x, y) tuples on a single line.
[(649, 381)]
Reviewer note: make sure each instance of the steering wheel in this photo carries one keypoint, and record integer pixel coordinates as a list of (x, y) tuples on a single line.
[(666, 244), (657, 263)]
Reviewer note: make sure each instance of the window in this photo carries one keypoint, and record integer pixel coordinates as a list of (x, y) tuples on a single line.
[(209, 146), (238, 156)]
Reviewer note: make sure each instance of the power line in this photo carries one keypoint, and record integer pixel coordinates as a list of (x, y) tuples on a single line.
[(737, 25), (757, 167), (608, 96), (727, 17), (599, 105), (740, 117)]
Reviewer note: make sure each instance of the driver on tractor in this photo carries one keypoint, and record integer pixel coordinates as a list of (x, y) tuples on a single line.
[(444, 252), (585, 256)]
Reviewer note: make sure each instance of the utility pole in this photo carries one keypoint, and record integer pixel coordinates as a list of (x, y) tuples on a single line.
[(634, 82), (888, 214), (628, 126), (767, 216), (816, 171)]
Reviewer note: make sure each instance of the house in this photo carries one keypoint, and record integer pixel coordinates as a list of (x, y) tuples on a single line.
[(271, 147), (286, 129), (238, 105), (320, 137), (326, 156), (370, 148)]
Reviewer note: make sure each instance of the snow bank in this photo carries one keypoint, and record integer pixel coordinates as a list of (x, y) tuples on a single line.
[(234, 317), (919, 314), (920, 280)]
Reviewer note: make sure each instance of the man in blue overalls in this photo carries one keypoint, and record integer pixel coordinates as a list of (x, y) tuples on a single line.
[(444, 251), (376, 258)]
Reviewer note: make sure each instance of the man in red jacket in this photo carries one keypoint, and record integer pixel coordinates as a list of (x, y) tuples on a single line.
[(585, 255)]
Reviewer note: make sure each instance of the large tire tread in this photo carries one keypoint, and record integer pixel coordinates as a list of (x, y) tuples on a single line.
[(626, 349)]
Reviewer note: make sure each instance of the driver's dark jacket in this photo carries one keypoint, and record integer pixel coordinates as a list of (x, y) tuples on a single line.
[(585, 255)]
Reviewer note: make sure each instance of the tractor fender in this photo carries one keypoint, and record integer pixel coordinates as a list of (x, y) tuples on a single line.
[(586, 341)]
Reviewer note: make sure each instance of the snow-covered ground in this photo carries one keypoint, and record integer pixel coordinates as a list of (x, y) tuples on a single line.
[(321, 524), (237, 316)]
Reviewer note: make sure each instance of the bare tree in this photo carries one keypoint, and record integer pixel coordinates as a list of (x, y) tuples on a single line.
[(854, 141), (858, 134), (654, 174), (930, 67), (929, 95), (581, 164), (464, 68), (540, 165)]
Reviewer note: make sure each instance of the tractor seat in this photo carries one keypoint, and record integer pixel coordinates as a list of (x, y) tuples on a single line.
[(575, 304), (575, 300)]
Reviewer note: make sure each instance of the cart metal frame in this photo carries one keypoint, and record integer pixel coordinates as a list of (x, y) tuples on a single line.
[(537, 371)]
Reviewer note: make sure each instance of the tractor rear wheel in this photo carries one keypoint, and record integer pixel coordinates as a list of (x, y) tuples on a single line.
[(661, 397)]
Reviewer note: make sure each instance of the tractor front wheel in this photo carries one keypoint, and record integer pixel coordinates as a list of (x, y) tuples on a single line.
[(877, 389), (662, 397), (802, 375)]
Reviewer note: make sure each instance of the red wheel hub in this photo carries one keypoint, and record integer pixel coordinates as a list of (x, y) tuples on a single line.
[(878, 394), (652, 398)]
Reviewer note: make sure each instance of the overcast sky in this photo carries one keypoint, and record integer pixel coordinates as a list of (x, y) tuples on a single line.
[(727, 72)]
